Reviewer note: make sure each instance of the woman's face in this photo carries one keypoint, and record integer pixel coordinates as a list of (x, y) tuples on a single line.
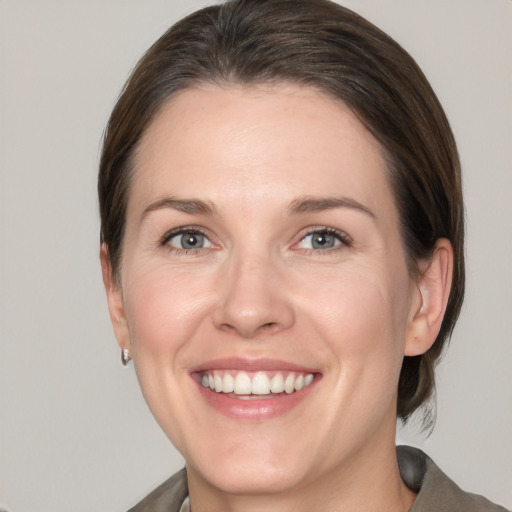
[(262, 251)]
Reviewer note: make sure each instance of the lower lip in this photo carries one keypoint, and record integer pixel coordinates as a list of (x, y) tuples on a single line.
[(255, 409)]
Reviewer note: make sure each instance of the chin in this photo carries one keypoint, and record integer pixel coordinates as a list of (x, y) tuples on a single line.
[(258, 459), (259, 476)]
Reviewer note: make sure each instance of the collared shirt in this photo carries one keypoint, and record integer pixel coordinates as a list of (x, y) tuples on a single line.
[(185, 506)]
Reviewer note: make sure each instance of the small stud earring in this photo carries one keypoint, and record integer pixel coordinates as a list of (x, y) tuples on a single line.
[(125, 356)]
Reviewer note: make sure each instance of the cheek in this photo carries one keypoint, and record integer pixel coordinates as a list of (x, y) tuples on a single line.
[(358, 318), (361, 312), (163, 309)]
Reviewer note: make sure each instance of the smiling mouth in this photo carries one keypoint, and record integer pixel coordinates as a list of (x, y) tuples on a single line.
[(259, 384)]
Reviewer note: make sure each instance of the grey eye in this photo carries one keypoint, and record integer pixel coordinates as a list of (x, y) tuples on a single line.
[(320, 240), (189, 240)]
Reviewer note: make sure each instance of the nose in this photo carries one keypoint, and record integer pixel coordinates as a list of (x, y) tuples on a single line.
[(253, 298)]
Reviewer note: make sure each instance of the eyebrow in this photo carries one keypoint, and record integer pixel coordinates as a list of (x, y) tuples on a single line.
[(298, 206), (318, 204), (190, 206)]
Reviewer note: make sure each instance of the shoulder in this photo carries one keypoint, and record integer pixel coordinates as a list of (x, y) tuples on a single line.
[(436, 492), (167, 497)]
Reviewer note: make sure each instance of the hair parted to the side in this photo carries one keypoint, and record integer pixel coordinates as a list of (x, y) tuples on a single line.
[(323, 45)]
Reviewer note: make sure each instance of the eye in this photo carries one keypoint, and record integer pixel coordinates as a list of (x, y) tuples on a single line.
[(188, 240), (323, 239)]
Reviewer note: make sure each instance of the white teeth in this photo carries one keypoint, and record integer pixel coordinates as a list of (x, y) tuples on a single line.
[(218, 383), (277, 383), (260, 384), (228, 383), (289, 383), (242, 384), (299, 382)]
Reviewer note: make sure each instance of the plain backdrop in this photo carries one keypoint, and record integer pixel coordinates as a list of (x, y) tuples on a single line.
[(75, 434)]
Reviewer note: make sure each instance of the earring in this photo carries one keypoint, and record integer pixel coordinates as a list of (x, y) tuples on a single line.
[(125, 356)]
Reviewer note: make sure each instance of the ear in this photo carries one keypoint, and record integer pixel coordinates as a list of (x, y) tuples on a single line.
[(114, 300), (429, 300)]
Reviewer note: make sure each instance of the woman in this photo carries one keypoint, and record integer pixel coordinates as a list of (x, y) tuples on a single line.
[(282, 250)]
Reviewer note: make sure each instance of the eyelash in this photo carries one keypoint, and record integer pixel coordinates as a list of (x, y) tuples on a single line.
[(189, 230), (343, 238)]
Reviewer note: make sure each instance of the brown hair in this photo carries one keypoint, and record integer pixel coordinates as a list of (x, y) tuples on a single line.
[(326, 46)]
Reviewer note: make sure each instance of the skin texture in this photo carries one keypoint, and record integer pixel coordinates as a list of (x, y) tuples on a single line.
[(257, 289)]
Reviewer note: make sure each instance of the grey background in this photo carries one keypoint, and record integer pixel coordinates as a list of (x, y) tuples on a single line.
[(75, 434)]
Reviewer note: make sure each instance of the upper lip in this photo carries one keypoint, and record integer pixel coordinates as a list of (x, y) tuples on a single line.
[(251, 365)]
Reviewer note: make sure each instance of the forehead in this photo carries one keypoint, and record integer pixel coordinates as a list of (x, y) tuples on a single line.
[(256, 142)]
